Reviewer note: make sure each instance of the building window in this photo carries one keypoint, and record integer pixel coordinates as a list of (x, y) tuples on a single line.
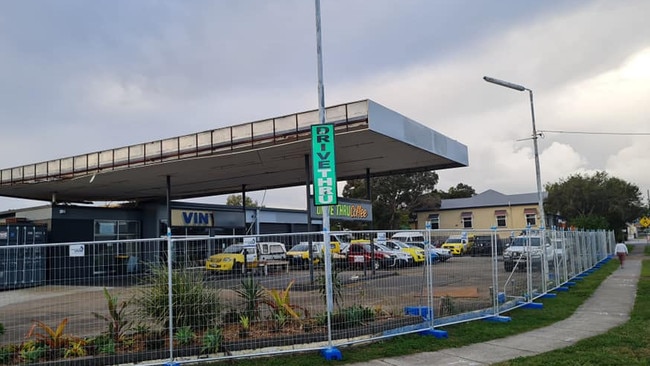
[(501, 221), (435, 221), (466, 219), (116, 230), (531, 219), (531, 216), (500, 216)]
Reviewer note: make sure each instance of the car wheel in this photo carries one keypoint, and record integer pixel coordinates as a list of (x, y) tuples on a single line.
[(508, 267), (377, 265), (237, 269)]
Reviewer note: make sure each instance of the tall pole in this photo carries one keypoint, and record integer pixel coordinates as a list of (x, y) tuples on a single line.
[(540, 195), (326, 211), (538, 175)]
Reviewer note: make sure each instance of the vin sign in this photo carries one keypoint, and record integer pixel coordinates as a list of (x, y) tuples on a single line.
[(323, 164)]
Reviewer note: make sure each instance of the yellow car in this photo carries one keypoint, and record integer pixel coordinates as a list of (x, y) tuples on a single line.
[(298, 256), (415, 252), (457, 245), (232, 259)]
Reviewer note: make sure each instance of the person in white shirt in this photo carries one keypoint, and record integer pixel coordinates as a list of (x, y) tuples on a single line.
[(621, 252)]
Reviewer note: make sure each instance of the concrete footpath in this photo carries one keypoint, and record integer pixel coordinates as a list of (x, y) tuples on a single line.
[(608, 307)]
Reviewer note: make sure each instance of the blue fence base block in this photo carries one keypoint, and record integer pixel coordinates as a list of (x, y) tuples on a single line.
[(498, 319), (501, 297), (434, 332), (549, 295), (570, 284), (532, 305), (331, 353), (424, 311), (172, 363), (562, 289), (578, 278)]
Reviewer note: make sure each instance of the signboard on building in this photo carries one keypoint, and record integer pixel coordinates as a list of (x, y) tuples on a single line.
[(346, 210), (323, 164), (192, 218)]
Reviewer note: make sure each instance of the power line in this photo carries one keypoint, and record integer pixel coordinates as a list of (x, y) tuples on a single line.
[(598, 133)]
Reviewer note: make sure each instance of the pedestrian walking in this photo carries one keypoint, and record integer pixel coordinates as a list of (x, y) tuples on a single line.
[(621, 252)]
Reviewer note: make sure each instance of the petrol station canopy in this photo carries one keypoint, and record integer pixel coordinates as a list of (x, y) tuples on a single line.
[(273, 153)]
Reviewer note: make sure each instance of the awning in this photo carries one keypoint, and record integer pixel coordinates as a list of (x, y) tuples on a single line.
[(500, 212), (434, 216), (466, 214), (530, 211)]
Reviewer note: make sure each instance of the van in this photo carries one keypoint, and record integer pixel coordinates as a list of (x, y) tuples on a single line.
[(409, 236)]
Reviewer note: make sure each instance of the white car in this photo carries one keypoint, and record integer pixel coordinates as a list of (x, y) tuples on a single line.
[(516, 254), (402, 259)]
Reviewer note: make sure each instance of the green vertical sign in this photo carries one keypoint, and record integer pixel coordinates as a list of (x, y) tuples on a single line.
[(323, 164)]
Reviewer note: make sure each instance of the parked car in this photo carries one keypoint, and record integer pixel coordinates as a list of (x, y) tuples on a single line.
[(457, 244), (298, 255), (435, 254), (238, 257), (408, 236), (416, 253), (402, 259), (483, 246), (516, 254), (360, 254)]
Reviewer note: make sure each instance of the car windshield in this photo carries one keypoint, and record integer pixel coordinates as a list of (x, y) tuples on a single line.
[(302, 247), (454, 240), (522, 241), (382, 248), (400, 244), (342, 238), (236, 248)]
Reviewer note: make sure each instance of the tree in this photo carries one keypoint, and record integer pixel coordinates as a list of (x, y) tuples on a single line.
[(460, 191), (235, 200), (598, 201), (394, 197)]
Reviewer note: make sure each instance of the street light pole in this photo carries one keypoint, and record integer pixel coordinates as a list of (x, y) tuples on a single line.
[(540, 197)]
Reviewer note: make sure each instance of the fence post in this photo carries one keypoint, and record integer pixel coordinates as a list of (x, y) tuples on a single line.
[(170, 248)]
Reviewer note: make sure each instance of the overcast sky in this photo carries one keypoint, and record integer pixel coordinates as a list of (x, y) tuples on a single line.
[(81, 76)]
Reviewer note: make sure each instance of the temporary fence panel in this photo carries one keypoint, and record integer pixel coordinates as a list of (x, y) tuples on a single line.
[(214, 298)]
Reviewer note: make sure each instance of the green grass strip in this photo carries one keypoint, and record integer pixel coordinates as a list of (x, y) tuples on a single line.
[(628, 344), (523, 320)]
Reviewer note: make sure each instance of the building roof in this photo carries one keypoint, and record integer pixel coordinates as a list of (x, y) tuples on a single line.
[(490, 198), (272, 153)]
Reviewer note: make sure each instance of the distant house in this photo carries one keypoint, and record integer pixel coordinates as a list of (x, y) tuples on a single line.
[(484, 211)]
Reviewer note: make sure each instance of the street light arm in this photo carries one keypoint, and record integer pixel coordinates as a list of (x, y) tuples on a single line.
[(504, 83), (540, 198)]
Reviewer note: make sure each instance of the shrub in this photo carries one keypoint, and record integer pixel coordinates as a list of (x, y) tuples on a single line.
[(184, 335), (31, 351), (194, 305), (52, 338), (253, 294), (6, 353), (352, 316), (337, 289), (211, 341), (116, 319)]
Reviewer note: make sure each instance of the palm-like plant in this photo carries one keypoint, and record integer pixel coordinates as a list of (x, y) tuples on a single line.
[(280, 302), (117, 322), (53, 338), (253, 294)]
